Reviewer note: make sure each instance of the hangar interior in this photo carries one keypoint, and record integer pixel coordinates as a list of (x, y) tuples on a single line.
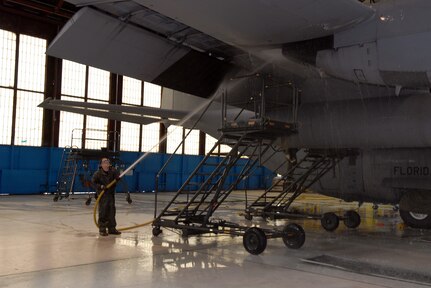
[(46, 243), (33, 139)]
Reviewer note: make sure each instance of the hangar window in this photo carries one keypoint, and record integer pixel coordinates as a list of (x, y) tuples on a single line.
[(72, 89), (136, 137), (150, 137), (83, 84), (130, 132), (31, 85), (7, 68), (6, 100), (98, 92), (174, 138), (152, 94), (209, 143), (22, 84), (192, 142), (151, 132), (7, 54)]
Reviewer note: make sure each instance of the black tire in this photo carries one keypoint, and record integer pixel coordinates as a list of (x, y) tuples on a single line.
[(88, 201), (330, 221), (416, 220), (55, 199), (156, 231), (248, 216), (129, 199), (254, 240), (293, 236), (352, 219)]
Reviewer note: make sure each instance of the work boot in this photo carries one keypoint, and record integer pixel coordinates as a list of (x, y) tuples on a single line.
[(114, 231), (103, 232)]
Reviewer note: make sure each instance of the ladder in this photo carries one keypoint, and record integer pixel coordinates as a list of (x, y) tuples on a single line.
[(206, 188), (66, 174), (276, 200)]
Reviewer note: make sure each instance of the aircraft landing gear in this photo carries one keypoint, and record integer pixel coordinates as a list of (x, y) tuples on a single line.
[(416, 220)]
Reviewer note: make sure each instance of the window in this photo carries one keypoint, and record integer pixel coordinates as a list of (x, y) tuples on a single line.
[(152, 95), (75, 77), (210, 142), (191, 145), (150, 137), (72, 89), (31, 64), (6, 108), (7, 54), (7, 73), (28, 119), (27, 89), (175, 136), (98, 92), (132, 95)]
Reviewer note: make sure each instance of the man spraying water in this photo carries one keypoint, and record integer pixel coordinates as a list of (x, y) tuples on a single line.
[(104, 176)]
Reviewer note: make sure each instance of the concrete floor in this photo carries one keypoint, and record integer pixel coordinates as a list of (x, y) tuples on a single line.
[(55, 244)]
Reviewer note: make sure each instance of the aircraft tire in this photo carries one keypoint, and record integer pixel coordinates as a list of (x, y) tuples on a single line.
[(330, 221), (416, 220), (293, 236), (352, 219), (254, 240)]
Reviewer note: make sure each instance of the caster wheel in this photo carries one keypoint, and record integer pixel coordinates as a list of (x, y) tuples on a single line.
[(55, 199), (248, 216), (156, 231), (330, 221), (88, 202), (293, 236), (254, 240), (352, 219), (129, 199)]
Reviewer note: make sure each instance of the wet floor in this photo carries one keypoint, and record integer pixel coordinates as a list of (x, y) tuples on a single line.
[(55, 244)]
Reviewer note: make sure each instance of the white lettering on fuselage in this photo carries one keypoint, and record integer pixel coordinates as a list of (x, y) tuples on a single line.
[(411, 171)]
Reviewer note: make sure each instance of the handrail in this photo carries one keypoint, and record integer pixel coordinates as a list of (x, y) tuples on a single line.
[(172, 155)]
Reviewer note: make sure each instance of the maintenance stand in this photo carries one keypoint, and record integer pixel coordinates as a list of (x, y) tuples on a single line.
[(192, 207)]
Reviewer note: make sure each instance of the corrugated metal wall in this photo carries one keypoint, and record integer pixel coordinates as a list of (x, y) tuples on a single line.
[(34, 170)]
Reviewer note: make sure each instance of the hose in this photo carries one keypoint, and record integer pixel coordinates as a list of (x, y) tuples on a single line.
[(97, 204)]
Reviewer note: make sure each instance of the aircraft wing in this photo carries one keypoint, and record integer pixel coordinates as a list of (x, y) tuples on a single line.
[(190, 45), (139, 115)]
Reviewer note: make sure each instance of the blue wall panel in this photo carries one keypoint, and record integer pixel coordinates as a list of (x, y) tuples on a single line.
[(34, 170)]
